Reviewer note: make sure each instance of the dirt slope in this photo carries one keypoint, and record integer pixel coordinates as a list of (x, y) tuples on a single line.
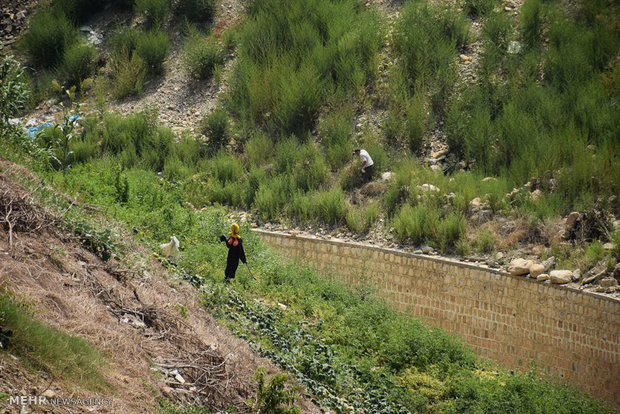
[(133, 310)]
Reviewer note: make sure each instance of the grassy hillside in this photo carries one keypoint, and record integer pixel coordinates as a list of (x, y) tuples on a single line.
[(314, 80), (534, 137), (347, 348)]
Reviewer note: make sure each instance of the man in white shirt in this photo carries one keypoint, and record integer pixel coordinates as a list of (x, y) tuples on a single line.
[(368, 166)]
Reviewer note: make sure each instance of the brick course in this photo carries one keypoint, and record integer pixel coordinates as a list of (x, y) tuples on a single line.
[(510, 319)]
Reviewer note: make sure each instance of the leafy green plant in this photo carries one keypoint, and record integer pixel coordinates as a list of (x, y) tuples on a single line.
[(14, 91), (271, 396)]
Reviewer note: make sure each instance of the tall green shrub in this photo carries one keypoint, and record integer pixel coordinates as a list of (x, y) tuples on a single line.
[(48, 37)]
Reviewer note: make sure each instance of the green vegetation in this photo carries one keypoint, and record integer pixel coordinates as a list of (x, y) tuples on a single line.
[(347, 348), (79, 63), (549, 114), (271, 397), (202, 55), (44, 348), (153, 48), (199, 11), (154, 11), (48, 38), (289, 64)]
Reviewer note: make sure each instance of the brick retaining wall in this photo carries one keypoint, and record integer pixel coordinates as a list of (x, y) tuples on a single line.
[(513, 320)]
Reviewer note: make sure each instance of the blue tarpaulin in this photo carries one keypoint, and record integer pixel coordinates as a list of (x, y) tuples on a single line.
[(32, 132)]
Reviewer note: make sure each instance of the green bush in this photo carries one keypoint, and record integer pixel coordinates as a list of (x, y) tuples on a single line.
[(329, 206), (289, 65), (416, 224), (450, 230), (272, 397), (531, 22), (271, 198), (485, 241), (255, 179), (47, 38), (153, 48), (360, 220), (259, 149), (200, 11), (201, 55), (78, 11), (415, 125), (226, 168), (13, 92), (129, 71), (123, 39), (287, 155), (215, 127), (479, 7), (79, 63), (336, 131), (154, 11), (311, 171)]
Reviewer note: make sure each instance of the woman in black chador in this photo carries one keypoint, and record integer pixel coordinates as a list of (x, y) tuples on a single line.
[(235, 252)]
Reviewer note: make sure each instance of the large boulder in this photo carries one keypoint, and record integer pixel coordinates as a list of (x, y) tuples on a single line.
[(519, 267), (560, 277), (536, 269)]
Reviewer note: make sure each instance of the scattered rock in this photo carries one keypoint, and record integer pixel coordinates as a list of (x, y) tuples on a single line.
[(49, 394), (387, 176), (593, 277), (576, 276), (536, 195), (440, 153), (609, 246), (167, 391), (560, 277), (608, 282), (617, 271), (487, 179), (428, 187), (548, 263), (282, 306), (499, 256), (542, 277), (536, 270), (519, 267), (476, 202), (514, 48), (426, 249)]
